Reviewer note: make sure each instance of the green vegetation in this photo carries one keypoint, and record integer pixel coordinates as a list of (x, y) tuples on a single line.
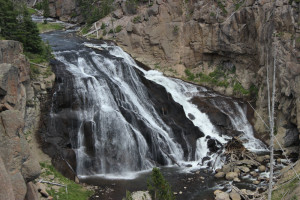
[(31, 11), (157, 66), (222, 78), (238, 4), (49, 27), (74, 191), (16, 24), (175, 29), (104, 32), (238, 88), (212, 14), (92, 10), (118, 29), (128, 196), (190, 75), (158, 187), (86, 29), (131, 6), (45, 7), (103, 26), (221, 6), (136, 19), (281, 191)]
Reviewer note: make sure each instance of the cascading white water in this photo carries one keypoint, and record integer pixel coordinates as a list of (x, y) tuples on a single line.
[(182, 93), (116, 153), (240, 122), (117, 129)]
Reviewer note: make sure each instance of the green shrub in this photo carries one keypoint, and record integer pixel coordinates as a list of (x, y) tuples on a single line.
[(136, 19), (158, 187), (175, 29), (103, 26), (31, 11), (221, 6), (118, 29), (237, 87), (104, 32), (189, 74), (128, 196)]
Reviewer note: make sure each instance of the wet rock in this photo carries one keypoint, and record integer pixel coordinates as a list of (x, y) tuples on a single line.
[(236, 180), (141, 195), (234, 195), (237, 170), (254, 174), (260, 159), (262, 168), (244, 169), (220, 175), (226, 168), (222, 196), (217, 192), (191, 116), (231, 175)]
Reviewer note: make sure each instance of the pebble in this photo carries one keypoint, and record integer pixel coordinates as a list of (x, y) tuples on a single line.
[(180, 192)]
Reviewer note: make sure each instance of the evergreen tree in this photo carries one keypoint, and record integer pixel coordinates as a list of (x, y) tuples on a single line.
[(30, 37), (16, 24), (8, 19), (158, 187)]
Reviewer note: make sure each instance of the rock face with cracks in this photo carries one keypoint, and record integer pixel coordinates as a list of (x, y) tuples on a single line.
[(17, 165)]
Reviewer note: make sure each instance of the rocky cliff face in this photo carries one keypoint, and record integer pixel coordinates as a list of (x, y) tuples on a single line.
[(225, 45), (17, 165), (64, 10)]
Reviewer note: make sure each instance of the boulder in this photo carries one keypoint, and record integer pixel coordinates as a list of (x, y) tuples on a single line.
[(244, 169), (118, 14), (231, 175), (236, 180), (222, 196), (129, 27), (153, 10), (234, 195), (226, 168), (32, 192), (141, 195), (6, 188), (262, 168), (254, 174), (220, 175)]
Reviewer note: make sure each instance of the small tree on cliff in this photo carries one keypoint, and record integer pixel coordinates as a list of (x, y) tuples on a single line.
[(158, 187)]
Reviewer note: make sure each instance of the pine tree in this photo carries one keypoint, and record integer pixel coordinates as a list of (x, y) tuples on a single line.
[(158, 187), (16, 24), (8, 19)]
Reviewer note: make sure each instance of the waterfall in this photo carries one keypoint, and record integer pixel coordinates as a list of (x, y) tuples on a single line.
[(118, 123)]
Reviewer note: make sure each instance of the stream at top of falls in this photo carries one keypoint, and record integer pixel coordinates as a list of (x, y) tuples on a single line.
[(123, 120)]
